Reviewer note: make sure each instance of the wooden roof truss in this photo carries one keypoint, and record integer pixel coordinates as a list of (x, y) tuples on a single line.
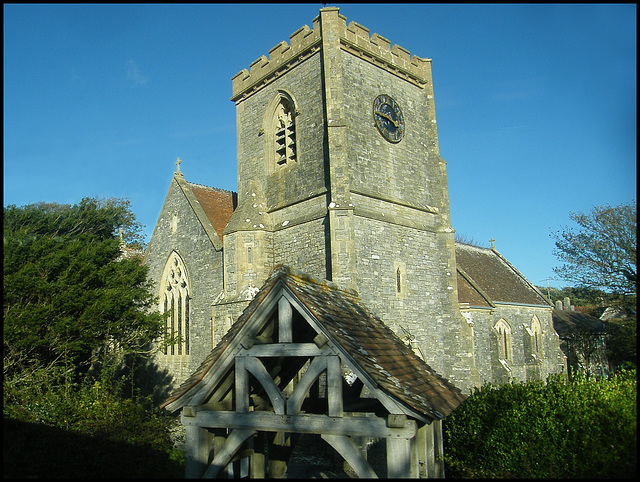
[(283, 376)]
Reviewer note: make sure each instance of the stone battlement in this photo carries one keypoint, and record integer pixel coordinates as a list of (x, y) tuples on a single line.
[(354, 38), (378, 50), (303, 42)]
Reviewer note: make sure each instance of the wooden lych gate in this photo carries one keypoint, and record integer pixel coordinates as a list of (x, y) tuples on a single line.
[(307, 358)]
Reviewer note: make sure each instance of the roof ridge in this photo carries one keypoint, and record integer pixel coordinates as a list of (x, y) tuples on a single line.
[(208, 187)]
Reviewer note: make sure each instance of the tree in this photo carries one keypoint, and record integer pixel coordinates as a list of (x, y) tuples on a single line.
[(66, 292), (601, 254)]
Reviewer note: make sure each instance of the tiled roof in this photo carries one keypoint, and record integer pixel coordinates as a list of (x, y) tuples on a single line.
[(467, 293), (393, 366), (217, 204), (493, 279), (567, 323)]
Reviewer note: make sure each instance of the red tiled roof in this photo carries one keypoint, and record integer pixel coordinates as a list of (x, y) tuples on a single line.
[(217, 204), (467, 293), (393, 366)]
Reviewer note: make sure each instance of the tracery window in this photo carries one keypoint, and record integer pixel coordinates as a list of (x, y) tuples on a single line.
[(175, 301), (503, 331)]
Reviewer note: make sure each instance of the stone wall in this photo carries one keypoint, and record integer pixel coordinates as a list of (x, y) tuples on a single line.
[(521, 366), (179, 229)]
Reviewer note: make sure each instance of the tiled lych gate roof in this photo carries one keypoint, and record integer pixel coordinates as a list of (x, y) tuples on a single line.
[(485, 277), (362, 336)]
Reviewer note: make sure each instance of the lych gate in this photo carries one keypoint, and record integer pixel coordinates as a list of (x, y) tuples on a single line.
[(307, 358)]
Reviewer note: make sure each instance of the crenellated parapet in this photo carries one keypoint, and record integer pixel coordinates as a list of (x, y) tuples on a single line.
[(302, 44), (378, 50), (354, 38)]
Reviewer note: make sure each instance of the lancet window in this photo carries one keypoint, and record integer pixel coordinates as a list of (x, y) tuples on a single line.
[(281, 128), (536, 337), (503, 331), (175, 301)]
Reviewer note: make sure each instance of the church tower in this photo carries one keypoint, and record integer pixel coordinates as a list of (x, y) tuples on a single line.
[(340, 176)]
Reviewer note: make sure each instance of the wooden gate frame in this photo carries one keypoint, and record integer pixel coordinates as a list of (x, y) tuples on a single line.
[(226, 418)]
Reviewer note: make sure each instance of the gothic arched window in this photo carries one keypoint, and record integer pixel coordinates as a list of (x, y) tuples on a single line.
[(174, 300), (503, 332), (281, 128), (536, 337)]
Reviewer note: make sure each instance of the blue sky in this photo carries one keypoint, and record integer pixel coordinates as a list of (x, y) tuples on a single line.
[(536, 105)]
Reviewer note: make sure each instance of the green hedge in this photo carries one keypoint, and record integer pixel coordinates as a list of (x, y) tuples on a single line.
[(582, 428), (91, 431)]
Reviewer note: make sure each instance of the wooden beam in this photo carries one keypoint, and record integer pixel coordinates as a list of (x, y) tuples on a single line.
[(334, 386), (348, 450), (242, 385), (255, 367), (316, 367), (286, 349), (303, 423), (223, 457), (285, 321)]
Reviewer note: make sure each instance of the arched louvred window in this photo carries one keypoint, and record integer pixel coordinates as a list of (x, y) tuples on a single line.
[(174, 297), (280, 125)]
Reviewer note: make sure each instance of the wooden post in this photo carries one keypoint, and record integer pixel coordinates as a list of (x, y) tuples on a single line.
[(415, 466), (334, 386), (242, 385), (258, 457), (197, 447), (285, 319), (431, 455), (218, 443), (421, 446), (438, 444), (398, 458), (278, 452)]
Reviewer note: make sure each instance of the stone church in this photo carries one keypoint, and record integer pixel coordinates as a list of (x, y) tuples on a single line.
[(340, 177)]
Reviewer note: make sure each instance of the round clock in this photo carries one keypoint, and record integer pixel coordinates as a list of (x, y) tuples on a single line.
[(388, 118)]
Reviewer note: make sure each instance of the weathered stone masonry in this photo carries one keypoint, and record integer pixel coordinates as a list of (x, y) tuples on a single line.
[(319, 189)]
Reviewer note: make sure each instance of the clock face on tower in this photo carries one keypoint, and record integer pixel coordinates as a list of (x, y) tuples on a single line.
[(388, 118)]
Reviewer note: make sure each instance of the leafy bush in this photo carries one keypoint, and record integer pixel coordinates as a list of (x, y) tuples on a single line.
[(108, 431), (582, 428)]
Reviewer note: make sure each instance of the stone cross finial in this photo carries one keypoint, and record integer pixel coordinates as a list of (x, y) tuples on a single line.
[(178, 166), (492, 246)]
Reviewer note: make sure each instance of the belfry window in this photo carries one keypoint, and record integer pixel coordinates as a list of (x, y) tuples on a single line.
[(284, 131), (175, 302)]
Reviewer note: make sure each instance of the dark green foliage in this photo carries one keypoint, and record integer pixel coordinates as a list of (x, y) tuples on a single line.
[(66, 292), (91, 430), (75, 311), (582, 428)]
